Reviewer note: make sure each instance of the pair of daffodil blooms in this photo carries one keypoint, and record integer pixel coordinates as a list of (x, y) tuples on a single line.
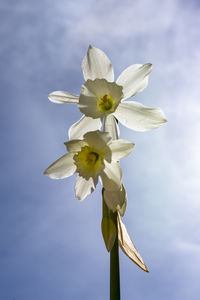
[(95, 154)]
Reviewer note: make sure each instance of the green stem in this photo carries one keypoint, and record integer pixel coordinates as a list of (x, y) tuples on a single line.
[(114, 254), (114, 266)]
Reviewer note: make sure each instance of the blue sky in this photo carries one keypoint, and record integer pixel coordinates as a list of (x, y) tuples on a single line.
[(51, 244)]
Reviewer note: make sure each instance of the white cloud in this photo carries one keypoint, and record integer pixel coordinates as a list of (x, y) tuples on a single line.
[(48, 42)]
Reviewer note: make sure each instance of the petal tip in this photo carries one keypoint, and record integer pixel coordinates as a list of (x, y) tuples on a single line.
[(45, 172), (147, 271), (150, 67), (52, 93), (79, 197)]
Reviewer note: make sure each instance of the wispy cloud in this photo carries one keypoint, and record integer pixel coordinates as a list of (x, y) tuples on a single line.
[(42, 48)]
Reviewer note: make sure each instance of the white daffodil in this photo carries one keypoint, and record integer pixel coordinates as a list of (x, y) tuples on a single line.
[(96, 155), (101, 96)]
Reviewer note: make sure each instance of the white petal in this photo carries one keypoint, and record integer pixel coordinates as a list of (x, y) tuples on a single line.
[(92, 91), (98, 139), (62, 168), (134, 79), (84, 187), (127, 245), (115, 199), (63, 97), (97, 65), (111, 176), (111, 126), (120, 148), (138, 117), (85, 124), (88, 100), (75, 145)]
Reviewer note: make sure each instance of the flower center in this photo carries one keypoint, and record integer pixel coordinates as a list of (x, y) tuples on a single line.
[(105, 103), (92, 158), (88, 162)]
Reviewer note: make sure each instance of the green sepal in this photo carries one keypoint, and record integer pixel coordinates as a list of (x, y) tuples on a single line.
[(108, 227), (109, 232)]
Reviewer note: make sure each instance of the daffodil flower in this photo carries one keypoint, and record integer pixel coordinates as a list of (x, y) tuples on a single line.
[(96, 155), (101, 96)]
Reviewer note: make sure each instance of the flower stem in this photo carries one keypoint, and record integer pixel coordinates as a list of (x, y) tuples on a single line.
[(110, 125), (114, 266)]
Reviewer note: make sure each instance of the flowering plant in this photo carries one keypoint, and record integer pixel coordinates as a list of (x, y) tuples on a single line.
[(95, 154)]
